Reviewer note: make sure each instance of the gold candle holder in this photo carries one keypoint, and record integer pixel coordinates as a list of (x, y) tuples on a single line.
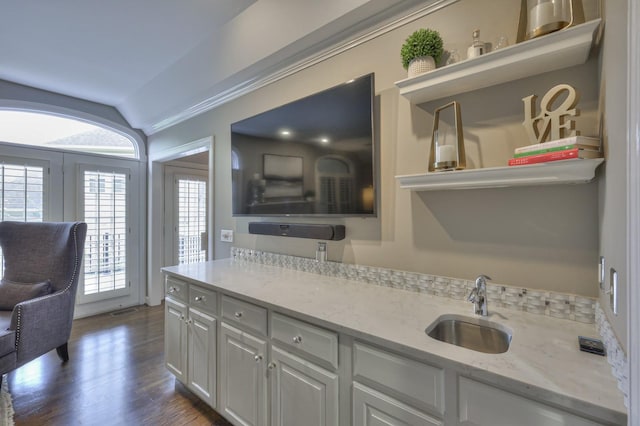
[(447, 156), (540, 17)]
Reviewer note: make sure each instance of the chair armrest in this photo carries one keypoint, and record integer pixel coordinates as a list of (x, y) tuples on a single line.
[(42, 324)]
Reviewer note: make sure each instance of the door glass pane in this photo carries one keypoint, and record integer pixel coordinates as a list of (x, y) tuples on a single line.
[(192, 220), (105, 204), (21, 195), (22, 191)]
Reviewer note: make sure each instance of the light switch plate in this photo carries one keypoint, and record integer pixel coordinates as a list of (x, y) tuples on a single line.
[(601, 272), (226, 235)]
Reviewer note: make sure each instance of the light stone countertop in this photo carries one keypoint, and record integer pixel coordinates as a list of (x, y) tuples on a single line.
[(543, 361)]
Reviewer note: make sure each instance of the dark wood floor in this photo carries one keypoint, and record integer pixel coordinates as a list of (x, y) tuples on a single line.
[(115, 376)]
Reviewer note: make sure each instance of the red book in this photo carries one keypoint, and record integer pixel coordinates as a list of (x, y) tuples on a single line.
[(546, 157)]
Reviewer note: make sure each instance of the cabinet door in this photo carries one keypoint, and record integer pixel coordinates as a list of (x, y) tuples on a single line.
[(372, 408), (301, 392), (202, 356), (243, 385), (175, 338), (480, 404)]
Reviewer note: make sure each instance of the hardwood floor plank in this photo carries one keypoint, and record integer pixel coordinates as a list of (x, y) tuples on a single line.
[(115, 376)]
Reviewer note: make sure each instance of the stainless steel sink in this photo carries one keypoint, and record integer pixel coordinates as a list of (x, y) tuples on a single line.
[(472, 333)]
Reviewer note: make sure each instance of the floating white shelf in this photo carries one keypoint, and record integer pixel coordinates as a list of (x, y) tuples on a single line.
[(555, 172), (554, 51)]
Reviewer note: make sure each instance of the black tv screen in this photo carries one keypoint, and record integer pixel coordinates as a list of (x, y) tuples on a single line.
[(311, 157)]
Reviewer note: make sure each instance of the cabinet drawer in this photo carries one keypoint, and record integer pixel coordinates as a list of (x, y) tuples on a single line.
[(204, 299), (308, 338), (411, 380), (176, 288), (247, 314), (375, 408), (484, 405)]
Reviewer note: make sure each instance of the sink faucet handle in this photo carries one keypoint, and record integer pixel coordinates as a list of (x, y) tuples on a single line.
[(482, 279), (478, 296), (473, 296)]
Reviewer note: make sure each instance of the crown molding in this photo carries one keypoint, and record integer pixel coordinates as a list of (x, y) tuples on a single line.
[(319, 54)]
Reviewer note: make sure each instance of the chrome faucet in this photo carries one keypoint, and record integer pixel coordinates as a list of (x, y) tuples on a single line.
[(478, 296)]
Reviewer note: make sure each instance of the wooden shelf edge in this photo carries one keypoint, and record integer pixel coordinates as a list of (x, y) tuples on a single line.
[(556, 172), (555, 51)]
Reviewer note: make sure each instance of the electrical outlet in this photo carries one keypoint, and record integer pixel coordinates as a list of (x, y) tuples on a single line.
[(226, 235)]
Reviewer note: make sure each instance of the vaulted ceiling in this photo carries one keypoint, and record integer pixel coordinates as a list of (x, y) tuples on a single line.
[(161, 61)]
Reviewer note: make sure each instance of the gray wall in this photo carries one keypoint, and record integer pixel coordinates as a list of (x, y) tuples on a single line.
[(613, 184), (541, 237)]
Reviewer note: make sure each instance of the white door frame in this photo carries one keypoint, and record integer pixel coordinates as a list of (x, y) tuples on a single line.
[(633, 211), (155, 216)]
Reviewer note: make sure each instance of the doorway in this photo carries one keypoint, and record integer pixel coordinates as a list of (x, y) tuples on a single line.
[(190, 161), (186, 209)]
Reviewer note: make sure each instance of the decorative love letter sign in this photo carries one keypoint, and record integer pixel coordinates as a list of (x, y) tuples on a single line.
[(551, 122)]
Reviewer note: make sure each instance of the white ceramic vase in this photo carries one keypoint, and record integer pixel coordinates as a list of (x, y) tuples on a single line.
[(420, 65)]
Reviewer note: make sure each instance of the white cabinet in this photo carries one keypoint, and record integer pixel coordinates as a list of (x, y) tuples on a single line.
[(175, 338), (482, 405), (274, 369), (301, 392), (243, 372), (390, 389), (298, 390), (190, 338), (201, 343), (372, 408)]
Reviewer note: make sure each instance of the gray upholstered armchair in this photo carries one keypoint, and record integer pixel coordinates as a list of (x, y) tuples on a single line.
[(38, 290)]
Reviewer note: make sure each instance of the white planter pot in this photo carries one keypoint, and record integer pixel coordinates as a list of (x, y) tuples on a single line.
[(420, 65)]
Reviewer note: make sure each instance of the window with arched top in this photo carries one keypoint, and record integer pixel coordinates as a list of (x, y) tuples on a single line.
[(47, 152), (64, 133)]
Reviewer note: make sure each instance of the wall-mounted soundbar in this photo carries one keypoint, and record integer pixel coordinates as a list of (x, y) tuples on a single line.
[(299, 230)]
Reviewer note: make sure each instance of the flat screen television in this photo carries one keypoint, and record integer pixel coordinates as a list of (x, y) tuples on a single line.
[(311, 157)]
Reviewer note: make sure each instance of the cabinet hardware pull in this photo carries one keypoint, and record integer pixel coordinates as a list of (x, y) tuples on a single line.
[(238, 314), (258, 358), (297, 339), (199, 298), (173, 290), (271, 365)]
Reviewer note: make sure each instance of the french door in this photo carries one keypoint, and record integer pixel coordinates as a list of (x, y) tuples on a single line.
[(103, 201), (43, 185), (106, 195)]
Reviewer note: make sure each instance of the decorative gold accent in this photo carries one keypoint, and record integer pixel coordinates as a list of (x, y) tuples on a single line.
[(576, 10), (460, 161), (551, 122)]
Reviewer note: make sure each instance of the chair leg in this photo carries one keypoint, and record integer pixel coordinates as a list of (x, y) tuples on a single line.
[(63, 352)]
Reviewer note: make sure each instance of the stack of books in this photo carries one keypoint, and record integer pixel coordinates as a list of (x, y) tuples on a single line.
[(562, 149)]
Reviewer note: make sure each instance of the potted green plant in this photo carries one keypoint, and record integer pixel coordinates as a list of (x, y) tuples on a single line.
[(421, 51)]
